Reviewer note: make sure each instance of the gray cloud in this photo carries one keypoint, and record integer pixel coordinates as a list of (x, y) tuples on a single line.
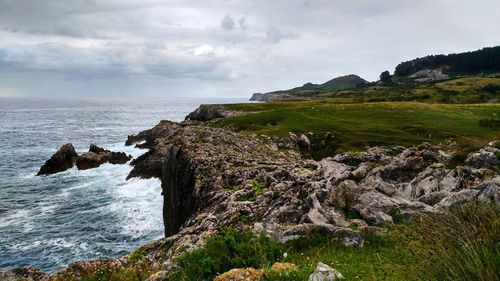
[(223, 47), (227, 23)]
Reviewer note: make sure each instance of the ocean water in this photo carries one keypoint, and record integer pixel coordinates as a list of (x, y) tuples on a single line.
[(50, 221)]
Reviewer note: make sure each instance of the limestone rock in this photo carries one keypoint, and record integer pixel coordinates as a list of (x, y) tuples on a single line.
[(324, 272), (241, 274), (62, 160), (488, 157)]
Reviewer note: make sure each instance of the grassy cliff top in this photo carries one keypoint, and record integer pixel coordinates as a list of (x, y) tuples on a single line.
[(465, 109), (357, 125)]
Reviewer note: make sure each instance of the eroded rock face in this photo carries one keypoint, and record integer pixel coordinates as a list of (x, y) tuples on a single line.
[(62, 160), (97, 156)]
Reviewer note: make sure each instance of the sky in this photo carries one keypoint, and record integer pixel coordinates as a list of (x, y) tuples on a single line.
[(223, 48)]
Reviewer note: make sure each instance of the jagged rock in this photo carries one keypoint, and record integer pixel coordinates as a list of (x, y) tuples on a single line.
[(207, 112), (344, 195), (458, 198), (324, 272), (333, 171), (62, 160), (374, 207), (488, 157), (97, 156), (490, 192), (241, 274)]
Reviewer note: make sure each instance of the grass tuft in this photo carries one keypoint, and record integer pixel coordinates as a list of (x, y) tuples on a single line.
[(464, 244)]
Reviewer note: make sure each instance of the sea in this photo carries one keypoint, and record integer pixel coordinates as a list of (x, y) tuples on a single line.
[(50, 221)]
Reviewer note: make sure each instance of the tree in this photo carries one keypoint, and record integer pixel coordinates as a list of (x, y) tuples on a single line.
[(385, 77)]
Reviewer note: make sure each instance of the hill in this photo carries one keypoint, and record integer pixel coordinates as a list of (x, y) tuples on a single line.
[(309, 89)]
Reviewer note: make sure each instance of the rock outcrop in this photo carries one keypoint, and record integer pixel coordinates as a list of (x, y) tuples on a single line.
[(426, 75), (207, 112), (62, 160), (97, 156)]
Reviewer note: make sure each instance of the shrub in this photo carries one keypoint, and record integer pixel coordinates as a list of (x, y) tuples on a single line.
[(228, 249)]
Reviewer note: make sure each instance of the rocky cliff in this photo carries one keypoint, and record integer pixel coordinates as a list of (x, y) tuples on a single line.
[(213, 178)]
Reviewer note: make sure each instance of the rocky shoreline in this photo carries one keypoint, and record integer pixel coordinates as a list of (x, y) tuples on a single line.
[(213, 178)]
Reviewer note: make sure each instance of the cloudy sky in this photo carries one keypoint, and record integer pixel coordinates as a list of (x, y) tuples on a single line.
[(223, 48)]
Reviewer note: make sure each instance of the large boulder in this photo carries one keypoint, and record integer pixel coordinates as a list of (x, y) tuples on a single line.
[(62, 160), (97, 156)]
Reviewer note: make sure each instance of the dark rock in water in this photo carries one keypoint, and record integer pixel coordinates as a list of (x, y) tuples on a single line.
[(97, 156), (94, 148), (62, 160)]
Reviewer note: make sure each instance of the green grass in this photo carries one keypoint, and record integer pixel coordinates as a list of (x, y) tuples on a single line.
[(354, 126), (390, 257), (459, 245)]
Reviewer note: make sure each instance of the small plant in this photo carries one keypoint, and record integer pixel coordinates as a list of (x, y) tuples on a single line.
[(257, 187), (136, 257)]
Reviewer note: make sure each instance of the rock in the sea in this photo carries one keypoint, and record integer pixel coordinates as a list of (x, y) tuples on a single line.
[(241, 274), (62, 160), (324, 272), (97, 156)]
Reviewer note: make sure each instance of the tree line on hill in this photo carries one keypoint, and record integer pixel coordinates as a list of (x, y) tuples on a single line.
[(486, 60)]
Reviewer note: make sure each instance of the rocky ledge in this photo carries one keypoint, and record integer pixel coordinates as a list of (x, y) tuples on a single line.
[(66, 157), (212, 178)]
